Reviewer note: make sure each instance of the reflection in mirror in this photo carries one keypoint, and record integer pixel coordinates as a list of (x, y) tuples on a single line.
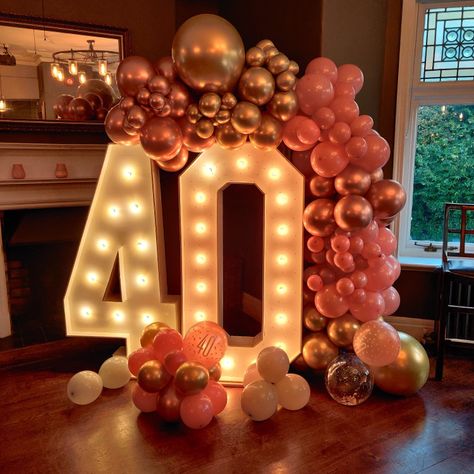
[(242, 220), (55, 75)]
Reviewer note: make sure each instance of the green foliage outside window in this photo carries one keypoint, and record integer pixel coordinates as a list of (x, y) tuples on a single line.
[(444, 166)]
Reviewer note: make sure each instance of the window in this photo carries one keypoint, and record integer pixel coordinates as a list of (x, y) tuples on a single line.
[(434, 137)]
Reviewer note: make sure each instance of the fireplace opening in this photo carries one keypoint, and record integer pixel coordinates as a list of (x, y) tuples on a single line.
[(39, 247)]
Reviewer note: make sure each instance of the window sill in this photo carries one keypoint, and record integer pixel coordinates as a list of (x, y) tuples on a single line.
[(420, 263)]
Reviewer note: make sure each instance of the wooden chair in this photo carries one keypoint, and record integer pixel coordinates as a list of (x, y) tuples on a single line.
[(456, 296)]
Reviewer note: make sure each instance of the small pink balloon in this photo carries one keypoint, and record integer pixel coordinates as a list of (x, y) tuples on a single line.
[(330, 254), (196, 411), (380, 277), (144, 401), (340, 243), (358, 297), (351, 74), (315, 243), (376, 343), (345, 109), (345, 286), (324, 66), (312, 270), (359, 279), (205, 343), (167, 340), (328, 159), (341, 89), (137, 358), (362, 125), (340, 133), (308, 132), (324, 117), (173, 360), (290, 133), (330, 303), (314, 91), (315, 283), (371, 308), (356, 148), (327, 274), (344, 261), (392, 300), (301, 160), (371, 250), (218, 396), (387, 241), (377, 155), (369, 233), (395, 264), (356, 245)]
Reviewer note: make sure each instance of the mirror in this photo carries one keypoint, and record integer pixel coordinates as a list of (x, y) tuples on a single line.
[(56, 73)]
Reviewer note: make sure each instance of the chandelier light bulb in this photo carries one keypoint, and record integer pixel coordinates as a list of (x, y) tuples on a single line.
[(72, 66), (102, 66), (82, 77)]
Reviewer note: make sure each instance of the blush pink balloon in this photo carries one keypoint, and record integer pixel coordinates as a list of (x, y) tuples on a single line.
[(371, 250), (327, 274), (345, 109), (370, 309), (328, 159), (359, 279), (330, 303), (324, 117), (167, 340), (205, 343), (344, 261), (380, 277), (324, 66), (290, 133), (146, 402), (315, 283), (308, 132), (362, 125), (301, 159), (137, 358), (340, 243), (376, 343), (340, 133), (342, 89), (312, 270), (330, 254), (345, 286), (314, 91), (173, 360), (377, 155), (356, 148), (369, 233), (387, 241), (395, 264), (356, 245), (315, 243), (351, 74), (196, 411), (358, 297), (218, 396), (392, 300)]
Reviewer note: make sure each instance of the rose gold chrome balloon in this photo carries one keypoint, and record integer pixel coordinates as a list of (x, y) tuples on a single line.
[(152, 376), (191, 378), (255, 57), (165, 67), (209, 104), (133, 73), (114, 128), (353, 213), (318, 217), (283, 105), (387, 198), (191, 139), (228, 137), (352, 180), (246, 117), (179, 99), (161, 138), (176, 163), (257, 85), (268, 135)]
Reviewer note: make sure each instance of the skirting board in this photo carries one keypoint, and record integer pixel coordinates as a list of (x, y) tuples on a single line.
[(416, 327)]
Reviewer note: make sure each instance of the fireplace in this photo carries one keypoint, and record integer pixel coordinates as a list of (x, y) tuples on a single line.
[(45, 193)]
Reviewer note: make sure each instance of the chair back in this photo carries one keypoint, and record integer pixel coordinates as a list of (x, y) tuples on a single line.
[(458, 220)]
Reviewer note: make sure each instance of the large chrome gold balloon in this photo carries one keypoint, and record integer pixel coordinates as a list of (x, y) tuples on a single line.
[(228, 137), (149, 333), (204, 128), (319, 351), (408, 373), (208, 53), (152, 376), (257, 85), (387, 198), (341, 330), (209, 104), (268, 135), (246, 117), (353, 213), (191, 378), (255, 57), (283, 106)]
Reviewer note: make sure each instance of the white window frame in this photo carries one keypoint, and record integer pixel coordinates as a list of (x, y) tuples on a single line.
[(412, 93)]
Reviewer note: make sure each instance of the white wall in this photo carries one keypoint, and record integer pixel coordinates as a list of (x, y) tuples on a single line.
[(19, 82)]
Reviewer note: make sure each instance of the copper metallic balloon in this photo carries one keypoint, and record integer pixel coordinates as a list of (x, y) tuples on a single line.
[(223, 116), (133, 73), (209, 104), (179, 99), (265, 44), (255, 56), (130, 129), (321, 186), (204, 128), (176, 163), (101, 88), (376, 175), (313, 319), (168, 404), (149, 333), (152, 376), (95, 100), (191, 378), (161, 137), (191, 139), (192, 113), (62, 102), (136, 117), (283, 105), (352, 180), (215, 372), (257, 85), (341, 330), (318, 217), (387, 198), (208, 53), (268, 135), (246, 117), (80, 109), (143, 96), (286, 81), (165, 67), (270, 53), (157, 101), (127, 103), (318, 351), (114, 123), (408, 373), (229, 101), (293, 67), (159, 84), (165, 111), (228, 137), (100, 114), (353, 213), (278, 63)]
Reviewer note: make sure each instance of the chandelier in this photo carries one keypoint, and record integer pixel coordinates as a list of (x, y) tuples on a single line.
[(74, 62)]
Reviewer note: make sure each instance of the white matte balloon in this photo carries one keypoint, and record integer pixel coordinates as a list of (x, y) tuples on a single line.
[(114, 372), (259, 400), (273, 364), (251, 374), (293, 392), (84, 387)]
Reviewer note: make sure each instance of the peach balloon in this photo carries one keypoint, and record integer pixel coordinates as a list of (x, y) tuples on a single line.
[(340, 133), (321, 187), (345, 286), (342, 89), (137, 358), (387, 241), (359, 279), (345, 109), (387, 198), (330, 303), (380, 277), (392, 300), (324, 66), (296, 124), (353, 212), (315, 283), (315, 243), (377, 155), (362, 125), (372, 306), (344, 261), (356, 245), (308, 132), (324, 117), (356, 148), (328, 159), (314, 91), (352, 180), (318, 217), (376, 343), (369, 233), (340, 243), (146, 402), (351, 74)]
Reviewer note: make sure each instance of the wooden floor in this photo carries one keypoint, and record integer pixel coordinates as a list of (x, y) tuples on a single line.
[(42, 432)]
